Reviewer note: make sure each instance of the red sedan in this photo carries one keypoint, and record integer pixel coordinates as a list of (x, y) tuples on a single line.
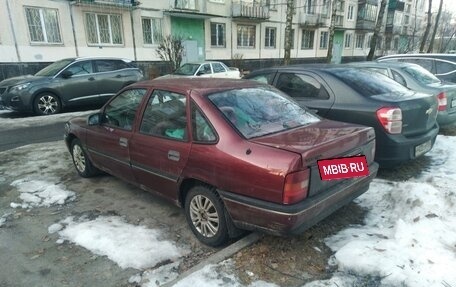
[(234, 154)]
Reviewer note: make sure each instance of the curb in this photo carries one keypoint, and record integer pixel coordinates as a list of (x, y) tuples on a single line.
[(219, 256)]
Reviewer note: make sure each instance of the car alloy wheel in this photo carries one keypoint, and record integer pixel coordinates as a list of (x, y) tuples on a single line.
[(47, 104), (82, 163), (205, 214)]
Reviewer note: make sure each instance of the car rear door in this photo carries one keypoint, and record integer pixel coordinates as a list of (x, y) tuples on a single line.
[(159, 150), (307, 89), (112, 75), (109, 142)]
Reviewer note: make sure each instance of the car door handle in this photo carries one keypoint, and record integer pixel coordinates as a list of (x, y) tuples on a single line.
[(91, 79), (123, 142), (173, 155)]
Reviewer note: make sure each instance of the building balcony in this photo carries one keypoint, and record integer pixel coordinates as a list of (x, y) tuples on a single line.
[(312, 20), (249, 10), (116, 3), (396, 5), (393, 29), (363, 24)]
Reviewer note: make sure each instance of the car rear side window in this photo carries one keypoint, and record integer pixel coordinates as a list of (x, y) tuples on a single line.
[(165, 115), (301, 86), (367, 83), (202, 130), (218, 68), (110, 65), (121, 111), (264, 78), (444, 67), (398, 78)]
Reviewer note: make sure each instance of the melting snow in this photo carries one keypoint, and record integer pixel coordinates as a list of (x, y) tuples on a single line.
[(36, 193)]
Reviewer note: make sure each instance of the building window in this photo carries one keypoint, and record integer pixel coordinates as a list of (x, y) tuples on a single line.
[(359, 41), (104, 29), (185, 4), (324, 40), (271, 4), (350, 12), (218, 35), (152, 30), (270, 38), (246, 36), (348, 40), (43, 25), (309, 7), (307, 39)]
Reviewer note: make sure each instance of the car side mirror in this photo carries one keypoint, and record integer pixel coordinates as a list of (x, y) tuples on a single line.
[(67, 74), (95, 119)]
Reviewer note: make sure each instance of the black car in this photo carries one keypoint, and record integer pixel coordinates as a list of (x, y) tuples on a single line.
[(419, 79), (68, 82), (404, 120), (443, 66)]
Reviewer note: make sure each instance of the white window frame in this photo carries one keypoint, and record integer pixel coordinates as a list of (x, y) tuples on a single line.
[(217, 44), (270, 42), (99, 43), (351, 13), (324, 38), (43, 25), (154, 38), (347, 40), (305, 33), (359, 41), (242, 33)]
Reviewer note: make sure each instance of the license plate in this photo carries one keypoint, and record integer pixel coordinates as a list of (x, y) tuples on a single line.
[(423, 148), (453, 103), (345, 167)]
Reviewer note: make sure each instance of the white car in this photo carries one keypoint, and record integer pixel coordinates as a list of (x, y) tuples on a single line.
[(206, 70)]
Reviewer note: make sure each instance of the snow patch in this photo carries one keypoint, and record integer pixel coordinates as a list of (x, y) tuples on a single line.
[(35, 193)]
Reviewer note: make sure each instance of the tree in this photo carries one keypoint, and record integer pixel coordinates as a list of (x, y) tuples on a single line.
[(288, 30), (378, 26), (171, 49), (331, 31), (428, 27), (436, 24)]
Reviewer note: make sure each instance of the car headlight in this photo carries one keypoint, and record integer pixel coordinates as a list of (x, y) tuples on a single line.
[(19, 87)]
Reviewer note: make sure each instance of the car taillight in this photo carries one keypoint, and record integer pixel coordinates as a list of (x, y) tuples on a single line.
[(442, 99), (296, 186), (390, 119)]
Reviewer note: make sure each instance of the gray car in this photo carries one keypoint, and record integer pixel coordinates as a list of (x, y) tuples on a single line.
[(68, 82), (419, 79)]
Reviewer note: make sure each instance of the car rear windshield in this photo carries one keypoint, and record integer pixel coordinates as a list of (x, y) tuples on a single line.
[(367, 83), (421, 74), (187, 69), (259, 111), (53, 68)]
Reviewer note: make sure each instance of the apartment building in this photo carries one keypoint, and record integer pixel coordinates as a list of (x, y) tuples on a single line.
[(38, 31)]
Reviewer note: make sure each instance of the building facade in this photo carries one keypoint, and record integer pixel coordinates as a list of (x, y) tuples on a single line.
[(42, 31)]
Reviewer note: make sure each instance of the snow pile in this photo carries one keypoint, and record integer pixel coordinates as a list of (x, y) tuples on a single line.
[(158, 276), (126, 244), (35, 193), (409, 235)]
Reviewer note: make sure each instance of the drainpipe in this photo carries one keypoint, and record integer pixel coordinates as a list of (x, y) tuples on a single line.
[(13, 32), (133, 35), (73, 29)]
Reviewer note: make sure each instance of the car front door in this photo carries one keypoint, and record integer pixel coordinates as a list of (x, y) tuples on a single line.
[(307, 90), (77, 84), (109, 142), (160, 150)]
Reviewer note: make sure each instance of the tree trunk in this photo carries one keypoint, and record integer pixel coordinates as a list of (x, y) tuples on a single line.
[(378, 26), (428, 27), (436, 24), (288, 29), (331, 32)]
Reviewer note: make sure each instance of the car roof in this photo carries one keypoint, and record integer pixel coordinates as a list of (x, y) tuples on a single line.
[(97, 58), (205, 62), (203, 86), (383, 64), (417, 55), (307, 67)]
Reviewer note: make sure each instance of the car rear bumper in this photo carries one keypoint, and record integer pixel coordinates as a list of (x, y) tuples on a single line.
[(279, 219), (393, 150), (445, 118)]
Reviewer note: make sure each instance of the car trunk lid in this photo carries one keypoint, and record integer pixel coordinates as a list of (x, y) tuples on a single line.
[(324, 140)]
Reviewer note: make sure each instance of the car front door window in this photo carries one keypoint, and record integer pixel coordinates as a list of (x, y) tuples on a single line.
[(120, 112), (80, 68)]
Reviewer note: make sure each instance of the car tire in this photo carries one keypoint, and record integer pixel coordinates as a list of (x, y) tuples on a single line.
[(81, 161), (202, 203), (47, 104)]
